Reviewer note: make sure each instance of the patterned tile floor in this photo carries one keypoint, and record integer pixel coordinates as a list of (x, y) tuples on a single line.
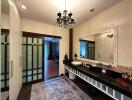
[(61, 89), (57, 89), (4, 95)]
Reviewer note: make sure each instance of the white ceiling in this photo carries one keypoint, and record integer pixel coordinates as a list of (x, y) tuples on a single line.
[(46, 10)]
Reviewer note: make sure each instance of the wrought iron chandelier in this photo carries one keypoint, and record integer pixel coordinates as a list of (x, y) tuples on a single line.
[(65, 19)]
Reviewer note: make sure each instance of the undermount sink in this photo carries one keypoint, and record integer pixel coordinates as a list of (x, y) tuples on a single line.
[(76, 63)]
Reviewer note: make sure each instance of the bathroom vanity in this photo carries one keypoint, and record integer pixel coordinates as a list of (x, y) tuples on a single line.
[(109, 82)]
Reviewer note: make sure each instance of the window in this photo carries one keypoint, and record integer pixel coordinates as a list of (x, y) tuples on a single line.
[(87, 49)]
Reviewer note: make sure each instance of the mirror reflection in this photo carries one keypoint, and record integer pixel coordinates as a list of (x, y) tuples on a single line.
[(97, 47)]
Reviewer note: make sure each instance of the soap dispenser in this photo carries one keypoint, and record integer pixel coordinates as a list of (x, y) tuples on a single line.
[(66, 57), (75, 56)]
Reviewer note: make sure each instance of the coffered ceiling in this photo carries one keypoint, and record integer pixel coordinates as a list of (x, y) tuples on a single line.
[(46, 10)]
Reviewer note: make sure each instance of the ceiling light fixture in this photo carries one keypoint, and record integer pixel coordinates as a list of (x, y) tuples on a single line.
[(24, 7), (65, 19)]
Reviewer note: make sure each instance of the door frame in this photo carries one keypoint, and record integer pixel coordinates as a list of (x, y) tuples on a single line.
[(32, 34), (53, 36)]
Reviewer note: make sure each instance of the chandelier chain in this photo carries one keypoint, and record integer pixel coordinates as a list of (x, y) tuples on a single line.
[(65, 4)]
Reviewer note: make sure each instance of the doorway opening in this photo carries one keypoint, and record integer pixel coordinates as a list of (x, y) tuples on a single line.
[(51, 57)]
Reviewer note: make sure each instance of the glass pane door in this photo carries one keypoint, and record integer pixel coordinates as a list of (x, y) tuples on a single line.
[(4, 59), (32, 59), (4, 49)]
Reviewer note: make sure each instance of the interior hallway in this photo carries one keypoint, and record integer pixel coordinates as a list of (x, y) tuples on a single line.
[(51, 57), (51, 69)]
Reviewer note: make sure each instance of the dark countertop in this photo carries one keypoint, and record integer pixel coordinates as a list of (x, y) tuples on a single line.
[(107, 79)]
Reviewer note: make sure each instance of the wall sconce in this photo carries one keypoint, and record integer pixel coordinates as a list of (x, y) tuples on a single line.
[(75, 55), (110, 32)]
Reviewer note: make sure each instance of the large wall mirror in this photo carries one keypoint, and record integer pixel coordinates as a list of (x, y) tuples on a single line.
[(99, 47)]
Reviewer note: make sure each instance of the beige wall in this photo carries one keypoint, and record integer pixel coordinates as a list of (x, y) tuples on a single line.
[(5, 21), (38, 27), (119, 15), (15, 81)]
